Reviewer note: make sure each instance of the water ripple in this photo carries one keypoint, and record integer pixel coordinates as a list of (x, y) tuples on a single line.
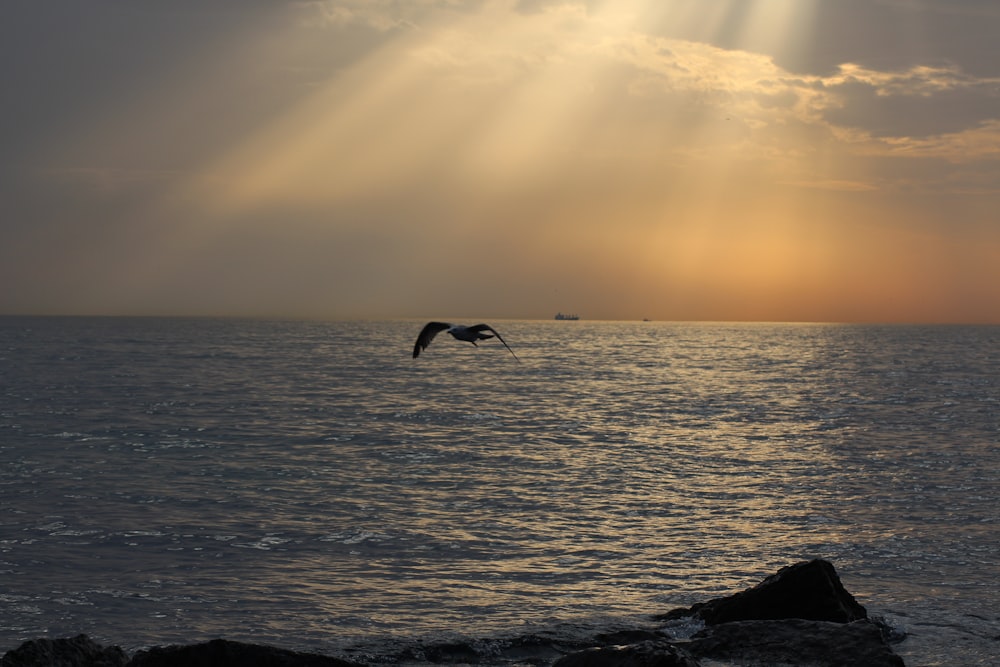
[(277, 480)]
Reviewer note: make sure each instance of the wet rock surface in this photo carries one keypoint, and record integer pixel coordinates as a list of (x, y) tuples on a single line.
[(224, 653), (795, 642), (79, 651), (809, 590)]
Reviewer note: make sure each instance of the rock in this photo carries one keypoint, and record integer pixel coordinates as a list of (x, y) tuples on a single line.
[(809, 590), (643, 654), (225, 653), (448, 652), (795, 642), (525, 649), (532, 650), (79, 651)]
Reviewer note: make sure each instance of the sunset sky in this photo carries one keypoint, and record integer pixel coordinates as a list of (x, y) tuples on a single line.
[(789, 160)]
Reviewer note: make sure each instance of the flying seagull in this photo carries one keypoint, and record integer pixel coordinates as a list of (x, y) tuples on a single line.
[(459, 331)]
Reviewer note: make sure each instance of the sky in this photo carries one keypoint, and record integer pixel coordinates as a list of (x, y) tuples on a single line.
[(732, 160)]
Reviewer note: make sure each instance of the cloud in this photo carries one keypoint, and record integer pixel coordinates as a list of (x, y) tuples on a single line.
[(972, 8), (917, 103), (815, 37), (501, 100), (380, 16), (364, 153), (388, 15)]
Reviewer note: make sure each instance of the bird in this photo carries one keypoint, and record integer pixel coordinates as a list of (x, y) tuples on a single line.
[(459, 332)]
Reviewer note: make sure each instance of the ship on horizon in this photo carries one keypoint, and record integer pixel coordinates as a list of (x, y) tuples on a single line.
[(564, 316)]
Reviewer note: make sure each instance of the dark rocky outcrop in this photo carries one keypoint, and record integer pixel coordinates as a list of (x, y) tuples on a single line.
[(225, 653), (525, 649), (79, 651), (809, 590), (795, 642)]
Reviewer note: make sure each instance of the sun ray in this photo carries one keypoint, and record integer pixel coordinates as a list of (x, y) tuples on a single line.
[(667, 143)]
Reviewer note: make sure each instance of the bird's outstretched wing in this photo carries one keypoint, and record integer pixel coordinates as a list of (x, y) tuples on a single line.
[(427, 334), (485, 327)]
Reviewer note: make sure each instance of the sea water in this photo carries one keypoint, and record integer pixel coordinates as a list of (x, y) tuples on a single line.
[(311, 485)]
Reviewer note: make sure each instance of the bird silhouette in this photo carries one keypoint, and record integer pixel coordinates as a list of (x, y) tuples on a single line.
[(459, 332)]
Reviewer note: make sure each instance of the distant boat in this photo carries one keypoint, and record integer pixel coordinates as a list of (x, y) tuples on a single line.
[(563, 316)]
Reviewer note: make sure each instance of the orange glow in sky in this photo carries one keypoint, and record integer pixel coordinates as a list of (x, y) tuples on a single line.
[(795, 160)]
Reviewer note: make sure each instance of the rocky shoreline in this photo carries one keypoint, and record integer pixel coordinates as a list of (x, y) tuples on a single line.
[(802, 616)]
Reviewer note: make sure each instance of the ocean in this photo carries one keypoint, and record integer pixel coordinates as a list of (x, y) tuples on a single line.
[(310, 485)]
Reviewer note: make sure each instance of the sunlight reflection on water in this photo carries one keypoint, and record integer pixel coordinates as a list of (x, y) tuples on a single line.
[(206, 475)]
